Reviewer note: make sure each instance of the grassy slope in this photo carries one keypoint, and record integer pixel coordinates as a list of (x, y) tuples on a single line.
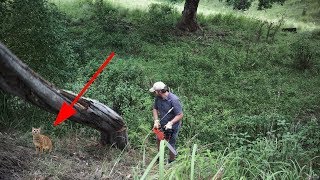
[(241, 77), (291, 11), (222, 80)]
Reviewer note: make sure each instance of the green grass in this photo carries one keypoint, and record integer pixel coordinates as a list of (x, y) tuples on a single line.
[(252, 162), (291, 11), (251, 105)]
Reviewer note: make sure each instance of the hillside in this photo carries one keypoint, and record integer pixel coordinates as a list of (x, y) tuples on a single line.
[(250, 92), (291, 11)]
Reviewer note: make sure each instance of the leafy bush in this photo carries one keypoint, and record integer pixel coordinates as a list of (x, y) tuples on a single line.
[(40, 38), (176, 1), (4, 9), (310, 136), (240, 4), (122, 86), (303, 54), (265, 4), (159, 23)]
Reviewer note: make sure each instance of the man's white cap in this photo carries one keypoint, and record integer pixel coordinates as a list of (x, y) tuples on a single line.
[(157, 86)]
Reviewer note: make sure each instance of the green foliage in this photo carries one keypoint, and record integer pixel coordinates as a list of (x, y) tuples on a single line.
[(176, 1), (122, 86), (246, 4), (266, 158), (159, 23), (4, 7), (242, 98), (40, 38), (265, 4), (304, 54), (240, 4), (311, 129)]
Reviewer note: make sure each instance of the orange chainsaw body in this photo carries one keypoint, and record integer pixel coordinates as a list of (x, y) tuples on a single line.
[(159, 133), (161, 136)]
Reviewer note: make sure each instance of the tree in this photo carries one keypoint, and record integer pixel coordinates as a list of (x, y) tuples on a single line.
[(18, 79), (188, 21)]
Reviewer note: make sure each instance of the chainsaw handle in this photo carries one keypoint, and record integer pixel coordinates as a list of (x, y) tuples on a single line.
[(159, 133), (165, 134)]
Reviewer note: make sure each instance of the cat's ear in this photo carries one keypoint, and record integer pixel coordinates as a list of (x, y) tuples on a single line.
[(33, 128)]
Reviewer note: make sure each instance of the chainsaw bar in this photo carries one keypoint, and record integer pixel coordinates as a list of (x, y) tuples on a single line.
[(160, 136)]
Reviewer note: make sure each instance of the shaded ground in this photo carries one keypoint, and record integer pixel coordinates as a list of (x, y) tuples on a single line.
[(72, 158), (14, 159)]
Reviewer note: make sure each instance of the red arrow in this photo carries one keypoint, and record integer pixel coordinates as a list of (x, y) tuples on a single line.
[(67, 110)]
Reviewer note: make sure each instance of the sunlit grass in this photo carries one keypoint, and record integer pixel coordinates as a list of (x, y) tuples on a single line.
[(71, 7), (67, 5), (140, 4), (290, 13)]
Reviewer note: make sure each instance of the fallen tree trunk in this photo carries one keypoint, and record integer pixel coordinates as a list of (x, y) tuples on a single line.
[(18, 79)]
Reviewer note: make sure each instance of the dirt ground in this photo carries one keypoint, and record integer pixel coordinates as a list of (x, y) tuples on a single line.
[(72, 158)]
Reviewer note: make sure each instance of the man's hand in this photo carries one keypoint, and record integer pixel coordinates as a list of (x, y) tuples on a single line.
[(168, 125), (156, 124)]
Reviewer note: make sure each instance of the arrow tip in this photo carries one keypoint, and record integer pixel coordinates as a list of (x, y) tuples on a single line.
[(65, 112)]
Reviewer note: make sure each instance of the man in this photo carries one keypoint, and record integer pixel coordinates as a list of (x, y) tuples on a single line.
[(165, 118)]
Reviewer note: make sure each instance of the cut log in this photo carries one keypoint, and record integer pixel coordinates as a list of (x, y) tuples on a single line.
[(18, 79)]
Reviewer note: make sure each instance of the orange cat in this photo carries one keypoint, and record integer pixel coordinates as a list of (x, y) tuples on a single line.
[(40, 141)]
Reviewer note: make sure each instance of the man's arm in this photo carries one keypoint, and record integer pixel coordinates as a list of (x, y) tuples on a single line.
[(156, 122), (177, 118), (173, 121), (155, 114), (177, 109)]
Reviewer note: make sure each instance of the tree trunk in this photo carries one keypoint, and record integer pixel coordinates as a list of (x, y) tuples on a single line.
[(18, 79), (189, 21)]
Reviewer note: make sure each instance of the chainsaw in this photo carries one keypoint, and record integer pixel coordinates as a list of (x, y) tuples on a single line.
[(163, 134), (166, 135)]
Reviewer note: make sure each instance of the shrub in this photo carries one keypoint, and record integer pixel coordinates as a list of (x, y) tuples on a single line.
[(303, 54), (159, 23), (40, 39), (265, 4), (240, 4)]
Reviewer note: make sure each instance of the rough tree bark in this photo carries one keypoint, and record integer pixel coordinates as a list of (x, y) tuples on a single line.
[(188, 21), (18, 79)]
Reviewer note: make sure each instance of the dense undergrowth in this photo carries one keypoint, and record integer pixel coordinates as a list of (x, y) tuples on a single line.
[(251, 100)]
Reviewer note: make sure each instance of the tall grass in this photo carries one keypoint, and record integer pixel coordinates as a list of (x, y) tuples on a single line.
[(154, 160), (193, 161), (237, 164)]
